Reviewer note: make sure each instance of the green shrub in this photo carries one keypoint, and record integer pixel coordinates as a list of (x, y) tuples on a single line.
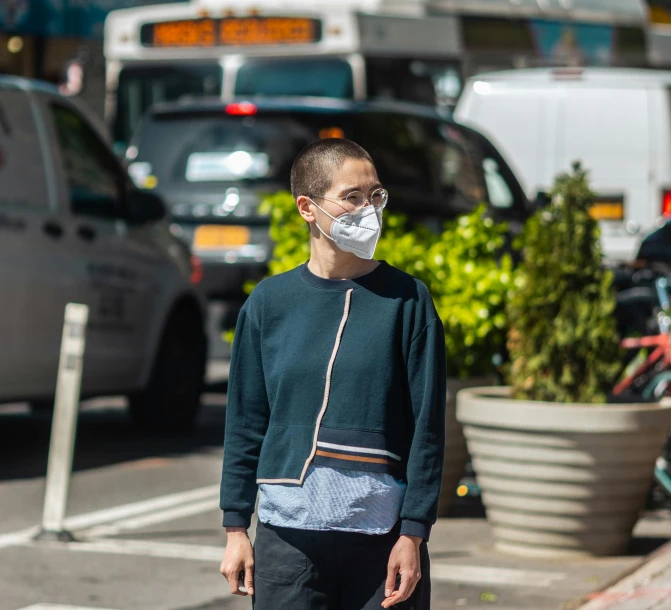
[(563, 342), (470, 280), (462, 267)]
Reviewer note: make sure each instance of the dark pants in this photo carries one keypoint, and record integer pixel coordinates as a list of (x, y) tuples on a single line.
[(311, 570)]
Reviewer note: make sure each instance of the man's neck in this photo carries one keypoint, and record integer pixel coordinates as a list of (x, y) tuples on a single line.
[(331, 263)]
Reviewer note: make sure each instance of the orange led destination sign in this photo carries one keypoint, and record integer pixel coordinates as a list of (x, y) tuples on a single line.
[(231, 31)]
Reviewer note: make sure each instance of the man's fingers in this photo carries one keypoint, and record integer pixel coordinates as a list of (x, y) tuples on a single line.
[(390, 583), (405, 588), (238, 579), (232, 575), (409, 580), (249, 578)]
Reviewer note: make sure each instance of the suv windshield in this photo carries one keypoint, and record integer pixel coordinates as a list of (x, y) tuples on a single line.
[(432, 169), (315, 78), (215, 148)]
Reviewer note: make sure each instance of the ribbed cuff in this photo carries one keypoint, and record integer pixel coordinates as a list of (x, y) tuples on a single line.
[(410, 527), (234, 518)]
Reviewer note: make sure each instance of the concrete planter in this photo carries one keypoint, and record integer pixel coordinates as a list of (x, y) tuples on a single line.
[(561, 479), (456, 453)]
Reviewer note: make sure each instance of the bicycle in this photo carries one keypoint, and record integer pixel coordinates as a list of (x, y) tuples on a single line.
[(653, 375)]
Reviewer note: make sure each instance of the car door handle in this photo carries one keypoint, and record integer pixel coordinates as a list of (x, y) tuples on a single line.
[(86, 233), (53, 229)]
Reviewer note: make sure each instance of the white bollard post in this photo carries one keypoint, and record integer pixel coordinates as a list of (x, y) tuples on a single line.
[(64, 424)]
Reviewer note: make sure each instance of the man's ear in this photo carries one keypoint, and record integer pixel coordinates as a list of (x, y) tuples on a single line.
[(305, 209)]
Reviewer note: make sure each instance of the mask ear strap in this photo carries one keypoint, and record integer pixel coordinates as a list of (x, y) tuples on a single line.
[(323, 210), (324, 234), (317, 225)]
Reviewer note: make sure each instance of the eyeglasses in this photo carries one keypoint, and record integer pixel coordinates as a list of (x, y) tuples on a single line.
[(357, 200)]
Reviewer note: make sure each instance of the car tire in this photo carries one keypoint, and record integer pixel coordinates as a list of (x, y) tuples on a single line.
[(171, 400)]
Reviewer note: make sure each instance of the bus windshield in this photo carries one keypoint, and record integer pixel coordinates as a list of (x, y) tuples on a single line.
[(142, 86), (305, 77)]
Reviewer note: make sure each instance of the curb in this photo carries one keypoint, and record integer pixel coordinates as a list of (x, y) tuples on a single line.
[(621, 589)]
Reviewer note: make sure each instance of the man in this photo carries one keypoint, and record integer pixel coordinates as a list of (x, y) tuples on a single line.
[(335, 411)]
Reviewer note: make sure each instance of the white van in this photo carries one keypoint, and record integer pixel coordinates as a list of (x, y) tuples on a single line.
[(617, 122)]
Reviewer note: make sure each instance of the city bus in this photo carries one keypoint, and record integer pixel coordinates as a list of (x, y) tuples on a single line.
[(349, 49), (414, 50)]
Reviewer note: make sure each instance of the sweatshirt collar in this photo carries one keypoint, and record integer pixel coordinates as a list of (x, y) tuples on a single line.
[(327, 284)]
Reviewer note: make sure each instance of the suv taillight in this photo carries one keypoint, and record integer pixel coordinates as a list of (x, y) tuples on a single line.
[(241, 109), (666, 203), (196, 270)]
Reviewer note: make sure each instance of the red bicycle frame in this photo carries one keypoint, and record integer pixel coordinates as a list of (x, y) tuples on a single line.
[(661, 353)]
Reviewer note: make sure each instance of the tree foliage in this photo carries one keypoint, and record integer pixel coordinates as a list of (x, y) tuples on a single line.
[(563, 339)]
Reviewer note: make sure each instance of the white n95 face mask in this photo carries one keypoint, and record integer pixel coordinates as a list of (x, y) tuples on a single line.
[(356, 232)]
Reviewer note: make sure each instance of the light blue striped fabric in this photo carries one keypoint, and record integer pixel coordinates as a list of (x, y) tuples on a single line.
[(333, 499)]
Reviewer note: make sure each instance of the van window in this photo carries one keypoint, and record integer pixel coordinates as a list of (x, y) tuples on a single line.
[(94, 179), (22, 176)]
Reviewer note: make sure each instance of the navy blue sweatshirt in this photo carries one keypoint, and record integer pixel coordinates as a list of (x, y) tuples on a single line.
[(344, 373)]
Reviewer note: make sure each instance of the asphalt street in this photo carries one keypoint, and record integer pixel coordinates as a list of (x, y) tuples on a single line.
[(144, 511)]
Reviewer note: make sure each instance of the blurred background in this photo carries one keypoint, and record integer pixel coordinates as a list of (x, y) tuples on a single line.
[(145, 151)]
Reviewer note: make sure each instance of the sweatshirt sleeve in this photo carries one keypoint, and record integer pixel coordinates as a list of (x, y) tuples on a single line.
[(247, 415), (427, 378)]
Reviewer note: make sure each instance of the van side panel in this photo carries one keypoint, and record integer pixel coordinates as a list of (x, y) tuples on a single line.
[(517, 121), (606, 128), (659, 103)]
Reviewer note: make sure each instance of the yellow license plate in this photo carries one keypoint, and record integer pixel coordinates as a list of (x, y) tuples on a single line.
[(217, 236), (607, 210)]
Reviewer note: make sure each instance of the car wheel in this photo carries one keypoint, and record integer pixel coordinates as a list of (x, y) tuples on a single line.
[(171, 400)]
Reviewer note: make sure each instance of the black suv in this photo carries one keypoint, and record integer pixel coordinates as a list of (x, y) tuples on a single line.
[(213, 162)]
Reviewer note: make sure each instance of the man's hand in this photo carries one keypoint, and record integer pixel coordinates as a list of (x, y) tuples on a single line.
[(238, 559), (404, 560)]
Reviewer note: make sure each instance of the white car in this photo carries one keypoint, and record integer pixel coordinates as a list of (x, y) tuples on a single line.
[(617, 122), (73, 228)]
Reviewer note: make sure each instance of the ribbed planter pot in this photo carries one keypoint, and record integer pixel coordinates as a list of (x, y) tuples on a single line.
[(456, 452), (561, 479)]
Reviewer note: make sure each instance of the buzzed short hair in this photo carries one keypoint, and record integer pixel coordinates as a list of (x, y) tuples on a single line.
[(313, 168)]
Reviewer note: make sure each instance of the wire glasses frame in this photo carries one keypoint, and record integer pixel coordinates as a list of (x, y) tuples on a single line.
[(357, 200)]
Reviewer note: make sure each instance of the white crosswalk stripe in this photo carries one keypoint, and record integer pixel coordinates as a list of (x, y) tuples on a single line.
[(59, 607), (493, 576), (145, 548)]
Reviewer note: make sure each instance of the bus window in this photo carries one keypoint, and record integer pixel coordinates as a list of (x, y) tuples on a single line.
[(630, 45), (306, 77), (141, 86), (417, 80)]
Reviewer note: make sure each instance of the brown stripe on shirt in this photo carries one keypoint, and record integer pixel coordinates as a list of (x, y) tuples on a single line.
[(354, 458)]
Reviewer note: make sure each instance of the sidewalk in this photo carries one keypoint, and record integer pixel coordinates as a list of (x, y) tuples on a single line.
[(467, 570), (647, 588)]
